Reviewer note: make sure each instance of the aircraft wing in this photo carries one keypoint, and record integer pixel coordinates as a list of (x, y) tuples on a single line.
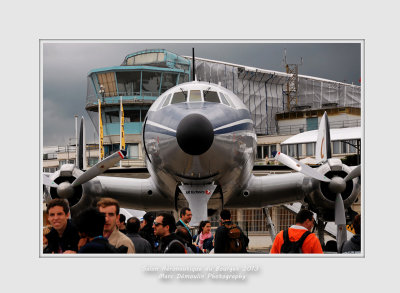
[(133, 193), (267, 190)]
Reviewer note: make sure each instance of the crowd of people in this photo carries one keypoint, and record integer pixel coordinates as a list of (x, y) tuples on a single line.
[(104, 230)]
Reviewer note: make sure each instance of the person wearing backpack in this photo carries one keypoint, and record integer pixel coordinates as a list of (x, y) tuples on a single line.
[(229, 238), (298, 238)]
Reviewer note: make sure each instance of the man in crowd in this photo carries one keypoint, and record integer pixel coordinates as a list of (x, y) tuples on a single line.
[(63, 236), (90, 224), (147, 231), (141, 244), (185, 218), (164, 227), (110, 207), (298, 235), (121, 223), (229, 238)]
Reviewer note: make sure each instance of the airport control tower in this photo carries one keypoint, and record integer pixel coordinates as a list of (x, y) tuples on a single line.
[(138, 81)]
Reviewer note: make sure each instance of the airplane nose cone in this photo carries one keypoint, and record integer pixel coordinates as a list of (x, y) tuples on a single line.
[(195, 134)]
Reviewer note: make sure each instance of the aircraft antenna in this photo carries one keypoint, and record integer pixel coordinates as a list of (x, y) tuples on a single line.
[(194, 66)]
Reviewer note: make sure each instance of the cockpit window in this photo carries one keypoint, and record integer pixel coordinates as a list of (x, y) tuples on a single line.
[(166, 102), (211, 96), (179, 97), (223, 99), (195, 96)]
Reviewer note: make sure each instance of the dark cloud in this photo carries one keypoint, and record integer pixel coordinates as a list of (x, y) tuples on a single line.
[(66, 64)]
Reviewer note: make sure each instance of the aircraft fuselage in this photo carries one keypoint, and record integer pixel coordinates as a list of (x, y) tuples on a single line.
[(199, 142)]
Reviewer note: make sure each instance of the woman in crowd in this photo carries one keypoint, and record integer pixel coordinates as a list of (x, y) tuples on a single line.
[(205, 239)]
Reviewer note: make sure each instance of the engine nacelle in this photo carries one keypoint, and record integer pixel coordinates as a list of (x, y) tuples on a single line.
[(64, 178), (322, 199)]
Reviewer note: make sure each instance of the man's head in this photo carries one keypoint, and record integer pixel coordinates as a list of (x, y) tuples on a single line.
[(121, 221), (305, 218), (90, 223), (133, 225), (148, 219), (110, 208), (225, 215), (184, 234), (58, 214), (185, 215), (164, 225)]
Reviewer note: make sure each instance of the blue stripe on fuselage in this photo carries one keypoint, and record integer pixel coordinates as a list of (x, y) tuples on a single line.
[(242, 126)]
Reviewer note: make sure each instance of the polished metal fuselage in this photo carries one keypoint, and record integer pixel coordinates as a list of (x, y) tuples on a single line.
[(227, 163)]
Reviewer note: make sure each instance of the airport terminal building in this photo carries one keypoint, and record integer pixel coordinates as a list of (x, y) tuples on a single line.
[(282, 104)]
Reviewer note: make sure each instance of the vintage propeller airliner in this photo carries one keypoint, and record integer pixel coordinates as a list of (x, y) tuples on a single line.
[(200, 146)]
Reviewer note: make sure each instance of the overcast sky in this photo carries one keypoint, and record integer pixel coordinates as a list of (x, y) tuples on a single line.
[(66, 64)]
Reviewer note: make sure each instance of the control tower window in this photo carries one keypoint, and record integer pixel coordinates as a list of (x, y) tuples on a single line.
[(179, 97), (112, 116), (108, 82), (151, 83), (211, 96), (128, 83), (183, 78), (132, 116), (168, 81), (195, 96), (147, 58)]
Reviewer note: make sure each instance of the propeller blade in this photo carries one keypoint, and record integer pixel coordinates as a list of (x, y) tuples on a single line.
[(99, 168), (340, 221), (356, 172), (340, 215), (300, 167), (81, 147), (48, 182), (323, 150)]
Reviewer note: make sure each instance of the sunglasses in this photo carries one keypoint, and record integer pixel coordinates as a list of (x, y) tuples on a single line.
[(156, 223)]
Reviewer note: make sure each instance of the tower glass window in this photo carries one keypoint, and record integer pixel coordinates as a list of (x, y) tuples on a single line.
[(151, 83), (128, 83), (168, 81), (107, 80)]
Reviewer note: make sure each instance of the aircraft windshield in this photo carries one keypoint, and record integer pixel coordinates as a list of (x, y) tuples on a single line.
[(182, 96), (166, 102), (179, 97), (195, 96), (211, 96), (224, 99)]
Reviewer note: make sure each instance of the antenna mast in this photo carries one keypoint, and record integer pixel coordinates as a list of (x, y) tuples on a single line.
[(194, 66), (292, 84)]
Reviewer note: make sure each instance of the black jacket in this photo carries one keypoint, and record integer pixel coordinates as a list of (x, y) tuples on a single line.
[(221, 239), (148, 233), (68, 241), (98, 245), (353, 245), (175, 247)]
